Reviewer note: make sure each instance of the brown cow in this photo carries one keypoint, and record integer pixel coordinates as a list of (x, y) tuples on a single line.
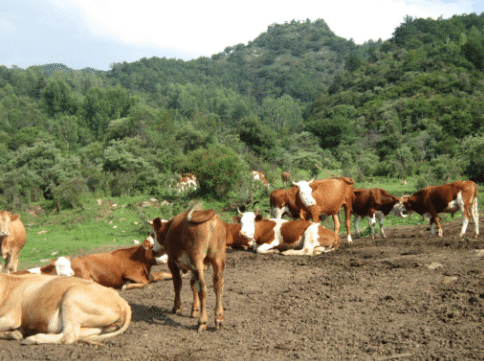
[(259, 176), (125, 268), (288, 237), (283, 201), (193, 240), (187, 180), (446, 198), (53, 309), (285, 177), (326, 197), (374, 203), (56, 267), (12, 239)]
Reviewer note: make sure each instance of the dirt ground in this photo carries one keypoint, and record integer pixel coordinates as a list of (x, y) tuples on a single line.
[(409, 297)]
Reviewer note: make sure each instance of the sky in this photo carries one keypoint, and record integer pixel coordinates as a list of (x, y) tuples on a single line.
[(97, 33)]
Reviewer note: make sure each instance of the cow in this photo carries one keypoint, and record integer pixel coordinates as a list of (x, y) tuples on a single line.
[(233, 239), (283, 201), (125, 268), (186, 181), (60, 310), (285, 177), (326, 197), (446, 198), (12, 239), (259, 176), (297, 237), (59, 267), (374, 203), (194, 240)]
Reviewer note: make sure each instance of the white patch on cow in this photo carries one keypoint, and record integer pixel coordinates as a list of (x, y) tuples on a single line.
[(278, 240), (398, 210), (157, 246), (305, 193), (184, 262), (349, 239), (279, 212), (475, 216), (162, 259), (35, 270), (63, 267), (247, 229), (151, 240), (311, 238)]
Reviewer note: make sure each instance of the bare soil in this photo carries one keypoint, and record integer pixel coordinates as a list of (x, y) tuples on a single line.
[(408, 297)]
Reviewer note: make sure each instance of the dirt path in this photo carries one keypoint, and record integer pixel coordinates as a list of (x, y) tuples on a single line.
[(409, 297)]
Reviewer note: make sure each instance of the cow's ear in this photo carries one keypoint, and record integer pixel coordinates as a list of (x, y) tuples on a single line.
[(147, 245), (67, 258), (156, 223), (13, 217), (259, 217), (237, 219)]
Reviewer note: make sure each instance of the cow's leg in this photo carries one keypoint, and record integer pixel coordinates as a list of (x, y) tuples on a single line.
[(337, 223), (177, 285), (136, 283), (10, 325), (8, 260), (356, 220), (435, 221), (218, 266), (475, 217), (381, 217), (196, 300), (12, 267), (372, 222), (201, 286), (157, 276)]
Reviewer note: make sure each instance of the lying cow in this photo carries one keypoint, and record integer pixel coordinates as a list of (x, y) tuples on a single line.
[(125, 268), (326, 197), (446, 198), (12, 239), (374, 203), (288, 237), (53, 309), (56, 267), (194, 240)]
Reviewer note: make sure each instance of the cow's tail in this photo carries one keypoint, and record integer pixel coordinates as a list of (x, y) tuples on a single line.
[(126, 322), (197, 215)]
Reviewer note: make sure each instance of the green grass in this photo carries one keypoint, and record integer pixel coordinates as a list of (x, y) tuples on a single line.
[(119, 221)]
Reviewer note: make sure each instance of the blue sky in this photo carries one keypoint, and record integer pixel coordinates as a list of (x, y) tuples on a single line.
[(97, 33)]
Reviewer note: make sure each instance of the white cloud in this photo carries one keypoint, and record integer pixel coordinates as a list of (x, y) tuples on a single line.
[(6, 26)]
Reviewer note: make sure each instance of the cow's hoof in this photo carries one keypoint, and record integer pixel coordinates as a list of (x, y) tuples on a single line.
[(176, 310), (15, 335), (202, 326), (195, 312), (219, 322)]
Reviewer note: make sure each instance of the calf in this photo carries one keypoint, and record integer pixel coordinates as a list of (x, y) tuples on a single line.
[(283, 201), (12, 239), (288, 237), (194, 240), (373, 203), (53, 309), (285, 177), (125, 268), (56, 267), (446, 198), (326, 197), (259, 176), (187, 180)]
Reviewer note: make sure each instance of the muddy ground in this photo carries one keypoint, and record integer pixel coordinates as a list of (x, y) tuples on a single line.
[(409, 297)]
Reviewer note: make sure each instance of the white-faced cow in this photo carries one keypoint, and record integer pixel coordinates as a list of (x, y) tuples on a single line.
[(374, 203), (446, 198), (54, 309), (12, 239), (57, 267), (298, 237), (124, 268), (194, 240), (326, 197)]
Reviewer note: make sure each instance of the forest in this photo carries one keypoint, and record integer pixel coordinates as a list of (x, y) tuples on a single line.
[(298, 98)]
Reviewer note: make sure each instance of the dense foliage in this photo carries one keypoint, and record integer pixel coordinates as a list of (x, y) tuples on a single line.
[(297, 97)]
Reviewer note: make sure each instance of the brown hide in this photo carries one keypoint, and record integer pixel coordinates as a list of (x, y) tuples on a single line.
[(233, 238), (281, 198), (285, 177), (123, 268), (12, 239), (193, 240), (330, 196), (435, 199), (366, 202)]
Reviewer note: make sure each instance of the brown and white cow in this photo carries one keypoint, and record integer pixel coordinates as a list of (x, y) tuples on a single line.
[(12, 239), (62, 310), (57, 267), (194, 240), (186, 181), (446, 198), (259, 176), (283, 201), (298, 237), (285, 177), (125, 268), (374, 203), (326, 197)]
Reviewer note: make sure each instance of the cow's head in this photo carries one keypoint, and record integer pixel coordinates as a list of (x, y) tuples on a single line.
[(401, 208), (63, 266), (158, 234), (247, 221), (5, 219), (305, 192)]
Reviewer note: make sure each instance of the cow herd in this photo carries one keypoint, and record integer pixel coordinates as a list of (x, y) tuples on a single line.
[(41, 306)]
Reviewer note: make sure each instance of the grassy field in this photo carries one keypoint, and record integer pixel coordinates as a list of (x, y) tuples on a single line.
[(119, 221)]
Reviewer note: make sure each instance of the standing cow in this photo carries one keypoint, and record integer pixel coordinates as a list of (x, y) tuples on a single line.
[(194, 240), (285, 177), (446, 198), (326, 197), (12, 239)]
